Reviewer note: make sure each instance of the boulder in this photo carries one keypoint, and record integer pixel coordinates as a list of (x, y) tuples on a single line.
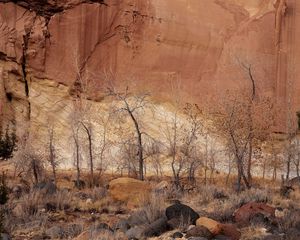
[(221, 237), (129, 190), (4, 236), (157, 227), (135, 232), (197, 238), (183, 212), (244, 214), (177, 235), (138, 218), (199, 231), (122, 225), (230, 231), (213, 226), (174, 223)]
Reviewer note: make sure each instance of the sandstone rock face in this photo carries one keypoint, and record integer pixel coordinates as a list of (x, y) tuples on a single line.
[(150, 44), (129, 190)]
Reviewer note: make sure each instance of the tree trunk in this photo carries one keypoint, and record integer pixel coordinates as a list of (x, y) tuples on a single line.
[(52, 158), (288, 167), (77, 164), (140, 146), (89, 135), (249, 176)]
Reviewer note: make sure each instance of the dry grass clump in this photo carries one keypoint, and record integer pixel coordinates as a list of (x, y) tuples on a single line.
[(291, 219), (154, 207), (253, 232), (220, 204), (151, 210)]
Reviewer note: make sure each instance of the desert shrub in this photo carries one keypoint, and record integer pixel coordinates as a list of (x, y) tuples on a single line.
[(7, 143), (3, 190), (1, 222), (291, 219), (29, 205), (207, 193), (154, 208), (61, 200), (151, 210)]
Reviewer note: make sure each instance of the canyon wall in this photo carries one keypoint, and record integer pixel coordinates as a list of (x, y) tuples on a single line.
[(200, 46)]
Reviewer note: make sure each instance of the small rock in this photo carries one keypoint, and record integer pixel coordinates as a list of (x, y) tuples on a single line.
[(135, 232), (199, 231), (156, 228), (177, 235), (221, 237), (5, 236), (213, 226), (197, 238), (138, 218), (89, 201), (122, 225)]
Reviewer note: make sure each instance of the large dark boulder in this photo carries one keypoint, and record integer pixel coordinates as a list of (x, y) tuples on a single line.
[(183, 212), (136, 232), (156, 228)]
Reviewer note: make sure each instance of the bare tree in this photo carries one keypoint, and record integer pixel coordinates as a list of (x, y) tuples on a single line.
[(296, 160), (52, 159), (133, 105)]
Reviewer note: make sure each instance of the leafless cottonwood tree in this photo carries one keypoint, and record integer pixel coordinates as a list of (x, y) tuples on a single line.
[(241, 128), (84, 86), (77, 153), (133, 105), (296, 159), (192, 129), (52, 159)]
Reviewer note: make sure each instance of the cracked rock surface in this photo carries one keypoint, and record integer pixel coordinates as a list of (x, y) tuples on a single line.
[(46, 43)]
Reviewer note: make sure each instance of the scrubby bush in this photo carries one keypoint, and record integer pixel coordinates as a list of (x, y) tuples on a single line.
[(3, 190), (7, 144)]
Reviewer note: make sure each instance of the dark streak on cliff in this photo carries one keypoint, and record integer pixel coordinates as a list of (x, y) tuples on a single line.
[(44, 8)]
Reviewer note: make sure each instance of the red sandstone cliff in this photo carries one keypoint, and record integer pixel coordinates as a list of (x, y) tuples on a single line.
[(152, 42)]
